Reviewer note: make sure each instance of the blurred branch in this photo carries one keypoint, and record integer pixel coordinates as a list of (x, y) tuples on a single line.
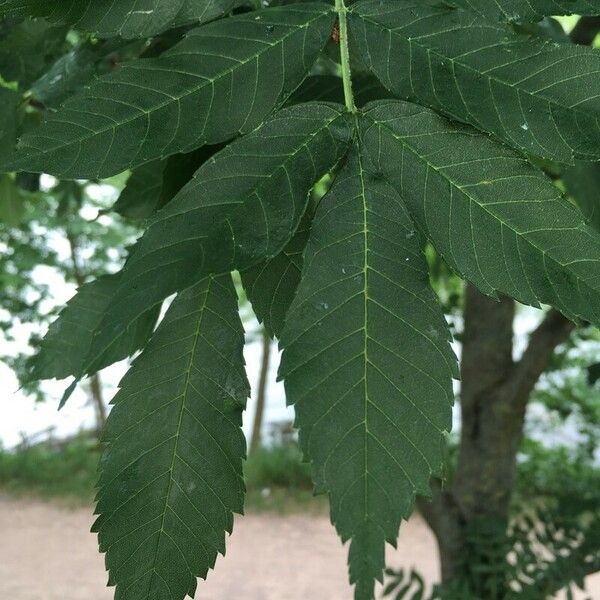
[(553, 331), (585, 31)]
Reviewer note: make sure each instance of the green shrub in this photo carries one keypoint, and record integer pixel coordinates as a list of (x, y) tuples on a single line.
[(277, 466)]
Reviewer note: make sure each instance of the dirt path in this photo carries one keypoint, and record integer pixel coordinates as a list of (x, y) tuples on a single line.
[(47, 554)]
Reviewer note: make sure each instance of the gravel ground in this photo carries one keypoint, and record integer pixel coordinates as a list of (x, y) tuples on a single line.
[(46, 553)]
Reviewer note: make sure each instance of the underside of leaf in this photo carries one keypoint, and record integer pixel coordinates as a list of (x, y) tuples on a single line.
[(539, 96), (125, 18), (241, 208), (494, 217), (368, 365), (205, 90), (171, 476)]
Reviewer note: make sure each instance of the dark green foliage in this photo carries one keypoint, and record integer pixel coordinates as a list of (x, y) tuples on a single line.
[(35, 43), (277, 466), (64, 350), (126, 18), (536, 95), (150, 108), (349, 321), (536, 249), (233, 130), (174, 437)]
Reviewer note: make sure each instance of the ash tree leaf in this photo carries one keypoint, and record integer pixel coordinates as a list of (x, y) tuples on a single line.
[(156, 183), (271, 285), (582, 183), (36, 44), (529, 10), (536, 95), (141, 195), (9, 102), (204, 90), (67, 343), (171, 476), (368, 365), (76, 69), (242, 207), (495, 218), (126, 18)]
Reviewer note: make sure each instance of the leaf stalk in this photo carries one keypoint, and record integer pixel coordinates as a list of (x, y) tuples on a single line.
[(342, 11)]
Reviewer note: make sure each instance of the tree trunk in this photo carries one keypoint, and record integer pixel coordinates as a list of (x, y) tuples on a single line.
[(98, 403), (256, 439), (470, 514)]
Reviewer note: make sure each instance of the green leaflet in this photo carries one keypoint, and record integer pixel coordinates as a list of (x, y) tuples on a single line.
[(76, 69), (528, 10), (539, 96), (242, 207), (171, 476), (204, 90), (67, 343), (9, 101), (36, 44), (125, 18), (368, 365), (141, 195), (582, 182), (154, 184), (271, 285), (12, 207), (493, 217)]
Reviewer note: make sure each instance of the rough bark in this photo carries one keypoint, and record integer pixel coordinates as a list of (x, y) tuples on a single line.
[(256, 439), (494, 395), (97, 398)]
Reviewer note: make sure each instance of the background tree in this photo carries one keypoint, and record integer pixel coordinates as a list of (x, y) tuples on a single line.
[(51, 238)]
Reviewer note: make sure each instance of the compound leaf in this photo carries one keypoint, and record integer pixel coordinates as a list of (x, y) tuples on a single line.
[(368, 365), (204, 90), (494, 217), (538, 96), (242, 207), (171, 476), (582, 183)]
